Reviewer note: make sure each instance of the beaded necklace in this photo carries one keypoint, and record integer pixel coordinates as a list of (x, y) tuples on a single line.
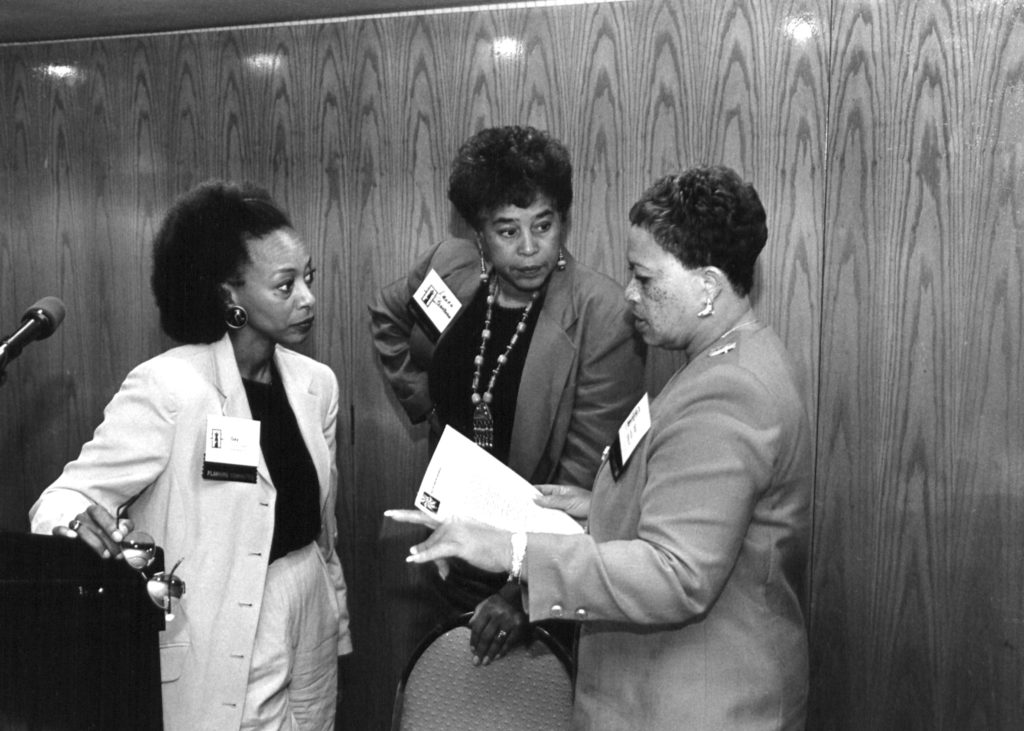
[(483, 421)]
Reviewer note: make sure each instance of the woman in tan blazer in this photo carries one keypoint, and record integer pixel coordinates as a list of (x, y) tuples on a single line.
[(253, 641), (688, 584)]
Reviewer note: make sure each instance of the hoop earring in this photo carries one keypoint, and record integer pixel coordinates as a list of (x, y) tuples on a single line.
[(709, 308), (561, 263), (236, 317)]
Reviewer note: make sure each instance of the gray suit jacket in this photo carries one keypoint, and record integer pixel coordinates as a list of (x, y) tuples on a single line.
[(689, 584), (583, 373)]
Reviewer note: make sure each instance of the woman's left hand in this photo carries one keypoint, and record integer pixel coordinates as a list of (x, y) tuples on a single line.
[(568, 498), (484, 546), (497, 625)]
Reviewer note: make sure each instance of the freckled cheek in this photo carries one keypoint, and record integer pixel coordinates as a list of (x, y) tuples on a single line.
[(656, 297), (661, 307)]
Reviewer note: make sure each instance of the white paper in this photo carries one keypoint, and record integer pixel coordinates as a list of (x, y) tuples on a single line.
[(464, 480)]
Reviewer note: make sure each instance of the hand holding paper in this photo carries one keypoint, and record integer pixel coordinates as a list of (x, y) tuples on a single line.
[(464, 480), (568, 498)]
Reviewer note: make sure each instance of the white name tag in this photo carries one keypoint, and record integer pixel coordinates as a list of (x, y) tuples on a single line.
[(436, 300), (232, 448), (631, 433), (634, 428)]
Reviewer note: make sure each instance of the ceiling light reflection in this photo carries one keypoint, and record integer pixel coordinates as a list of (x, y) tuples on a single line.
[(507, 48), (61, 72), (264, 61), (801, 28)]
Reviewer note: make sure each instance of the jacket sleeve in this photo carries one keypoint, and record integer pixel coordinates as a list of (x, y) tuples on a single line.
[(609, 383), (391, 325), (705, 472), (329, 533), (128, 451)]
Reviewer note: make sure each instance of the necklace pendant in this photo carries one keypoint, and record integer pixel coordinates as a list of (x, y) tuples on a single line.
[(483, 426)]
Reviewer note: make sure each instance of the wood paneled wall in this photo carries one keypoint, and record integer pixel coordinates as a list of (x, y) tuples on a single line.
[(918, 588), (883, 137)]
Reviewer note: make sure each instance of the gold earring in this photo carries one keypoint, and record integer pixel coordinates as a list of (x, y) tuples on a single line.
[(709, 307), (561, 263)]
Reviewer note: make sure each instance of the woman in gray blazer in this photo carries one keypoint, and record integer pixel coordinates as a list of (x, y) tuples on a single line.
[(223, 450), (532, 355), (688, 584)]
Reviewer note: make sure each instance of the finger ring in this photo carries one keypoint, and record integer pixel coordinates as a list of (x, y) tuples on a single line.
[(75, 525), (502, 634)]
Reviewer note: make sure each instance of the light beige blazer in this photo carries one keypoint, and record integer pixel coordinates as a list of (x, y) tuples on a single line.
[(150, 448)]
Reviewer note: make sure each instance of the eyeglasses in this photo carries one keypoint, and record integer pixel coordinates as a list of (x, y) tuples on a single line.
[(164, 587), (139, 551)]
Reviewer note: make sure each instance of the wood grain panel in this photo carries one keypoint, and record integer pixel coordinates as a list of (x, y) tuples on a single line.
[(32, 415), (396, 213), (917, 591)]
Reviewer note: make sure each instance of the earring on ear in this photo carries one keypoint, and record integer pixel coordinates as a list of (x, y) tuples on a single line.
[(483, 262), (709, 307), (236, 317), (561, 263)]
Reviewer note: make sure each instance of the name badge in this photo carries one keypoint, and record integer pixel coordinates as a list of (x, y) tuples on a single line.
[(631, 433), (232, 448), (434, 304)]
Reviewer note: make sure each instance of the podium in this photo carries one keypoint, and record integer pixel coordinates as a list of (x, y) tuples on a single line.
[(78, 639)]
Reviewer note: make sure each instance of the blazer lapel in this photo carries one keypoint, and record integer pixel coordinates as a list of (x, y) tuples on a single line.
[(549, 362), (229, 383), (304, 399)]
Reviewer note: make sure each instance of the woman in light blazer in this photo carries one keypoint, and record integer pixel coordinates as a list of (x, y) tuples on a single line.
[(538, 365), (223, 450)]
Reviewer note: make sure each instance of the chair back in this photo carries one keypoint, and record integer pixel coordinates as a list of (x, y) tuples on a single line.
[(528, 689)]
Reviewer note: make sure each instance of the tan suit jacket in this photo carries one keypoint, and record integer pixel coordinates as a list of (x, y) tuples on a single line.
[(689, 584), (583, 373), (150, 448)]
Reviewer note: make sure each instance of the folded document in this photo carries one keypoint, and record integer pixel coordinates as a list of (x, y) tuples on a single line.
[(464, 480)]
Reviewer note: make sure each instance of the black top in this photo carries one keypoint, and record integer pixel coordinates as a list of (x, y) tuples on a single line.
[(297, 510), (451, 380), (451, 368)]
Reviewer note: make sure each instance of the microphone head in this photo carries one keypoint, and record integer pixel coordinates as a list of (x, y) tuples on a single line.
[(49, 311)]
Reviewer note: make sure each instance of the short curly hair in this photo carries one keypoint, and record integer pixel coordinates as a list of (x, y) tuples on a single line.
[(202, 243), (514, 165), (706, 216)]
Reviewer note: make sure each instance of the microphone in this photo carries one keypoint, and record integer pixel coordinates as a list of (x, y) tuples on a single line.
[(38, 323)]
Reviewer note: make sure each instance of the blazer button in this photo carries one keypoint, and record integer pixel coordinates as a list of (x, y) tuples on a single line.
[(557, 611), (581, 614)]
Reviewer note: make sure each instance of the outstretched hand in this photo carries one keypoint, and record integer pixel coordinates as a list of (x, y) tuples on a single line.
[(571, 499), (484, 546)]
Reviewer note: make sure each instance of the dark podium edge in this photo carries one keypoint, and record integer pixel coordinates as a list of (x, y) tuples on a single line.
[(79, 639)]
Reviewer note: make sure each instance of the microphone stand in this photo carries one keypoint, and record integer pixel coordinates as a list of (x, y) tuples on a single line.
[(4, 360), (6, 354)]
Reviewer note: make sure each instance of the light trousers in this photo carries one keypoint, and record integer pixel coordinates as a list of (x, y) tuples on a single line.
[(293, 681)]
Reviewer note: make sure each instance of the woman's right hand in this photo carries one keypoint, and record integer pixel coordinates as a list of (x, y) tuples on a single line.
[(571, 499), (98, 529)]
